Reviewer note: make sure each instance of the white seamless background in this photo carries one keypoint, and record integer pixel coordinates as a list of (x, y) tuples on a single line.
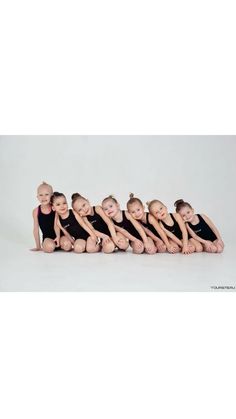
[(199, 169)]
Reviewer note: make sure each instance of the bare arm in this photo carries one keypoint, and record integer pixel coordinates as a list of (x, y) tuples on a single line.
[(182, 228), (195, 236), (36, 230), (137, 226), (96, 232), (84, 225), (162, 232), (212, 226), (125, 233), (64, 231), (108, 222), (171, 235)]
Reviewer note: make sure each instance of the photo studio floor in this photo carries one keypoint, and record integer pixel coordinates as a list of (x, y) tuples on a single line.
[(23, 270)]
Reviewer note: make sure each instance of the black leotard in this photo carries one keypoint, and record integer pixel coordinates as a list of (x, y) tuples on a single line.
[(203, 230), (150, 227), (128, 226), (98, 223), (46, 224), (71, 225), (175, 229)]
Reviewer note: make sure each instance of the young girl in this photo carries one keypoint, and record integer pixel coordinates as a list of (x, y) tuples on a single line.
[(129, 227), (102, 225), (151, 226), (79, 234), (44, 219), (171, 223), (200, 227)]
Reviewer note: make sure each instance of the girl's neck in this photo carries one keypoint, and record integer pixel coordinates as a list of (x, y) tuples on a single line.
[(195, 219), (118, 216), (66, 215), (167, 218), (46, 207)]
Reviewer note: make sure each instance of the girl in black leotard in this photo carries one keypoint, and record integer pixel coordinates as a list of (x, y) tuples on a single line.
[(200, 227), (150, 225), (72, 225), (171, 223), (128, 226), (104, 229), (44, 220)]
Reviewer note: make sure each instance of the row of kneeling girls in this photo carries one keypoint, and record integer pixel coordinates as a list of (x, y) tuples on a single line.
[(106, 228)]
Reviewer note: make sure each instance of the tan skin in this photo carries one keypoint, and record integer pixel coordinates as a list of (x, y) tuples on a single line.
[(61, 207), (44, 194), (113, 211), (159, 211), (82, 207), (188, 215), (138, 213)]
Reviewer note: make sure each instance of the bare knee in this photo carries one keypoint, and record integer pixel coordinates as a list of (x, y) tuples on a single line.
[(79, 246), (92, 246), (198, 248), (123, 244), (161, 248), (65, 244), (137, 249), (108, 247), (49, 245)]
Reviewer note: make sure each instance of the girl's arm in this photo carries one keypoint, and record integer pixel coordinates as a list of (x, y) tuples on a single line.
[(195, 236), (96, 232), (184, 232), (64, 231), (137, 226), (84, 225), (212, 226), (109, 223), (126, 233), (36, 230), (171, 235), (161, 231), (57, 230)]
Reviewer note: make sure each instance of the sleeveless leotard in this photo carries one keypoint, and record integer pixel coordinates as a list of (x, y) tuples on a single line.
[(46, 224), (98, 223), (128, 226), (203, 230), (71, 225)]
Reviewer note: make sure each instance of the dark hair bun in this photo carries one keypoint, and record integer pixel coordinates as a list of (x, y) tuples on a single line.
[(131, 195), (75, 195), (178, 202)]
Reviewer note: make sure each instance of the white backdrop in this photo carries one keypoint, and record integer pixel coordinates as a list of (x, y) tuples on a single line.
[(199, 169)]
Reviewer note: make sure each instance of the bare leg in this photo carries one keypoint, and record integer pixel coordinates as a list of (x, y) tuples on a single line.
[(210, 249), (197, 245), (152, 246), (49, 245), (108, 247), (92, 246), (65, 244), (219, 247), (191, 247), (136, 249), (123, 243), (79, 246), (177, 248), (161, 247)]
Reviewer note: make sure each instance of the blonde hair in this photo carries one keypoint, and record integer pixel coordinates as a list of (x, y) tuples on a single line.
[(109, 197), (45, 184), (151, 203), (76, 196), (133, 200)]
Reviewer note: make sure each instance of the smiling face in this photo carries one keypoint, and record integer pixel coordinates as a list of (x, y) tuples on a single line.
[(82, 207), (136, 210), (159, 210), (44, 194), (186, 213), (60, 205), (110, 208)]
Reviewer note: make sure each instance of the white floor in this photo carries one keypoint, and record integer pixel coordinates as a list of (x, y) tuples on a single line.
[(22, 270)]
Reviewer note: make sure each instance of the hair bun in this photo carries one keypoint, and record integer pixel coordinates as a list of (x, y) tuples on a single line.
[(179, 201), (75, 195), (131, 195), (147, 203)]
